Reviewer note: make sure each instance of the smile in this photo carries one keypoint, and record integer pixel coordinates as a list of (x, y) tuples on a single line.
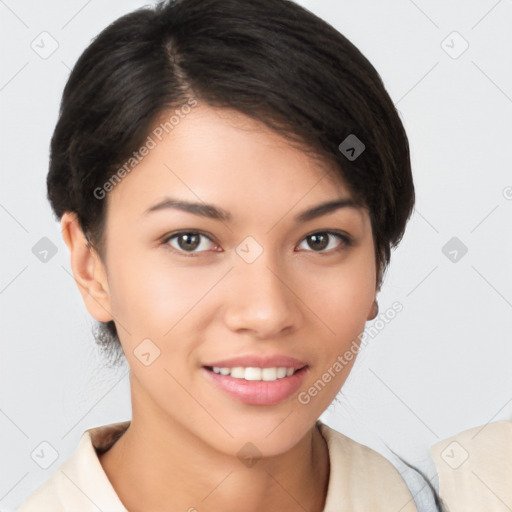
[(257, 386)]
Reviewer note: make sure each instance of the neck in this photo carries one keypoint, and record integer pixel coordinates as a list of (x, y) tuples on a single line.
[(168, 468)]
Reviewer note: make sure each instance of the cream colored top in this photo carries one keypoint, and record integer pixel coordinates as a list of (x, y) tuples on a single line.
[(475, 469), (360, 479)]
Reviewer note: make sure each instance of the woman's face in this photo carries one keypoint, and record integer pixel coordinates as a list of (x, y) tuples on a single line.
[(265, 282)]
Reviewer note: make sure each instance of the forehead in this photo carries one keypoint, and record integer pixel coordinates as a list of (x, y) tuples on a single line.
[(220, 155)]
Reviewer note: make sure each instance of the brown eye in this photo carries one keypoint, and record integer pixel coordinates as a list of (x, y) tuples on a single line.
[(188, 241), (321, 240), (318, 241)]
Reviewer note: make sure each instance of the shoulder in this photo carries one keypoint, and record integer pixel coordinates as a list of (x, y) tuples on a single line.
[(79, 483), (475, 468), (363, 476)]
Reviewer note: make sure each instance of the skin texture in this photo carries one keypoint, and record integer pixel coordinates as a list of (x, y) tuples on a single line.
[(299, 299)]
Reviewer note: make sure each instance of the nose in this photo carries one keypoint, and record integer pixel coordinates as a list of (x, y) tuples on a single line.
[(261, 300)]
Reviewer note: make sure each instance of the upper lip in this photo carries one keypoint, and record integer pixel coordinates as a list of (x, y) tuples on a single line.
[(258, 361)]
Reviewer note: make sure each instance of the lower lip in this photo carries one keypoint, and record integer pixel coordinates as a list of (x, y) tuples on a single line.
[(258, 392)]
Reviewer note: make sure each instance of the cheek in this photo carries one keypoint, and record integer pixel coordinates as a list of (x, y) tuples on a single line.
[(342, 296), (152, 297)]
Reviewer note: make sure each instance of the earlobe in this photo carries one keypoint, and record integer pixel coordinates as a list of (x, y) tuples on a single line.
[(88, 269), (374, 311)]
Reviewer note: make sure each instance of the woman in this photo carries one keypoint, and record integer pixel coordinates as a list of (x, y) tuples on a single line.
[(230, 178)]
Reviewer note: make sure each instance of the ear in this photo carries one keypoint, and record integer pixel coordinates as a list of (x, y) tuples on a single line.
[(88, 269), (374, 311), (380, 272)]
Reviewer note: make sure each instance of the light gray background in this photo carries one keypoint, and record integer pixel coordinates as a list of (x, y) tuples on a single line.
[(441, 366)]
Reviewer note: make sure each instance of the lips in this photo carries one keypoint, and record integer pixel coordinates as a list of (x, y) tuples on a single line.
[(270, 390)]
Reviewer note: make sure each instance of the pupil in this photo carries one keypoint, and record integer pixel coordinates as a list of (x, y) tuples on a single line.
[(188, 237), (317, 238)]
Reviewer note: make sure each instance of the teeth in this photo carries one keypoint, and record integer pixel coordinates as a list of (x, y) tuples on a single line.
[(238, 373), (269, 373), (252, 373)]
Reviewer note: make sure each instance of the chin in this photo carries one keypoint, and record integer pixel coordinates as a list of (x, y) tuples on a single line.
[(267, 434)]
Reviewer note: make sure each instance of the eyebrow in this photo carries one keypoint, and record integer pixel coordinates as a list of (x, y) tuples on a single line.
[(214, 212)]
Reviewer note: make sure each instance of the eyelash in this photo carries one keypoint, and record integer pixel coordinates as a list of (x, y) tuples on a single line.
[(346, 240)]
